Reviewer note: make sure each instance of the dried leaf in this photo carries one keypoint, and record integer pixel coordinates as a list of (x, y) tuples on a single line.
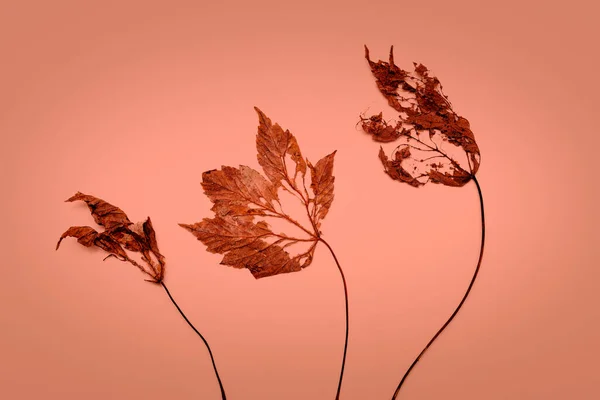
[(223, 234), (241, 240), (119, 232), (273, 145), (389, 76), (152, 243), (395, 170), (240, 191), (423, 108), (84, 234), (104, 214), (322, 186), (447, 179), (382, 132), (111, 246), (128, 238), (239, 195)]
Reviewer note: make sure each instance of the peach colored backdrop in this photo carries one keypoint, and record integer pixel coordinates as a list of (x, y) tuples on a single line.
[(132, 101)]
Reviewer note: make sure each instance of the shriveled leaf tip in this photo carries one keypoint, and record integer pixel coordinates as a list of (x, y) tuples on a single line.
[(120, 234)]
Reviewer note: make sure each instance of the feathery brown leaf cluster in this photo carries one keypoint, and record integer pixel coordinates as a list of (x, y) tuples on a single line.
[(120, 234), (241, 194), (424, 111)]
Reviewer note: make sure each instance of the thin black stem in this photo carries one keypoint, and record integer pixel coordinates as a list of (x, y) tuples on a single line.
[(201, 337), (337, 396), (464, 297)]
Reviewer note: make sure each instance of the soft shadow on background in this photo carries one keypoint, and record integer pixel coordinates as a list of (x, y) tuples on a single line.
[(132, 101)]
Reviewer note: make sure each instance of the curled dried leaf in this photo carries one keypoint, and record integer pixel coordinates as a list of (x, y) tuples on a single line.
[(85, 235), (150, 235), (381, 131), (239, 195), (423, 108), (104, 214), (120, 234), (111, 246), (395, 170)]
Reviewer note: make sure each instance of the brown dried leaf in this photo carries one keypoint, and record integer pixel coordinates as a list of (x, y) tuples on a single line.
[(381, 131), (395, 170), (322, 186), (243, 244), (262, 259), (423, 108), (151, 240), (129, 239), (104, 214), (242, 191), (449, 180), (240, 195), (273, 145), (223, 234), (84, 234), (119, 232), (88, 237), (111, 246), (389, 77)]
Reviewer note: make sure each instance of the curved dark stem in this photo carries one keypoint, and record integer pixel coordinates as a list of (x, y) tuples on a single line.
[(337, 396), (201, 337), (464, 297)]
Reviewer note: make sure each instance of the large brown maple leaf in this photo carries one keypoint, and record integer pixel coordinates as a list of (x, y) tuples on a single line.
[(242, 194)]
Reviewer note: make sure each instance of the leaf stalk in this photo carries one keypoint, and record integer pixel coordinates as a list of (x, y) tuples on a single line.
[(463, 298), (223, 396), (337, 396)]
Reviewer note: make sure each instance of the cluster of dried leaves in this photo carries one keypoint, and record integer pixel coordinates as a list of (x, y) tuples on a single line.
[(241, 194), (120, 234), (424, 112)]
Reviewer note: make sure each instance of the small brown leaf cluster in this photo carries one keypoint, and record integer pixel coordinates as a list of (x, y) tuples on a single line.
[(241, 194), (120, 234), (424, 112)]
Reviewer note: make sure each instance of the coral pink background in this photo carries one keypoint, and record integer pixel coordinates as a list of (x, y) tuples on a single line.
[(132, 101)]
